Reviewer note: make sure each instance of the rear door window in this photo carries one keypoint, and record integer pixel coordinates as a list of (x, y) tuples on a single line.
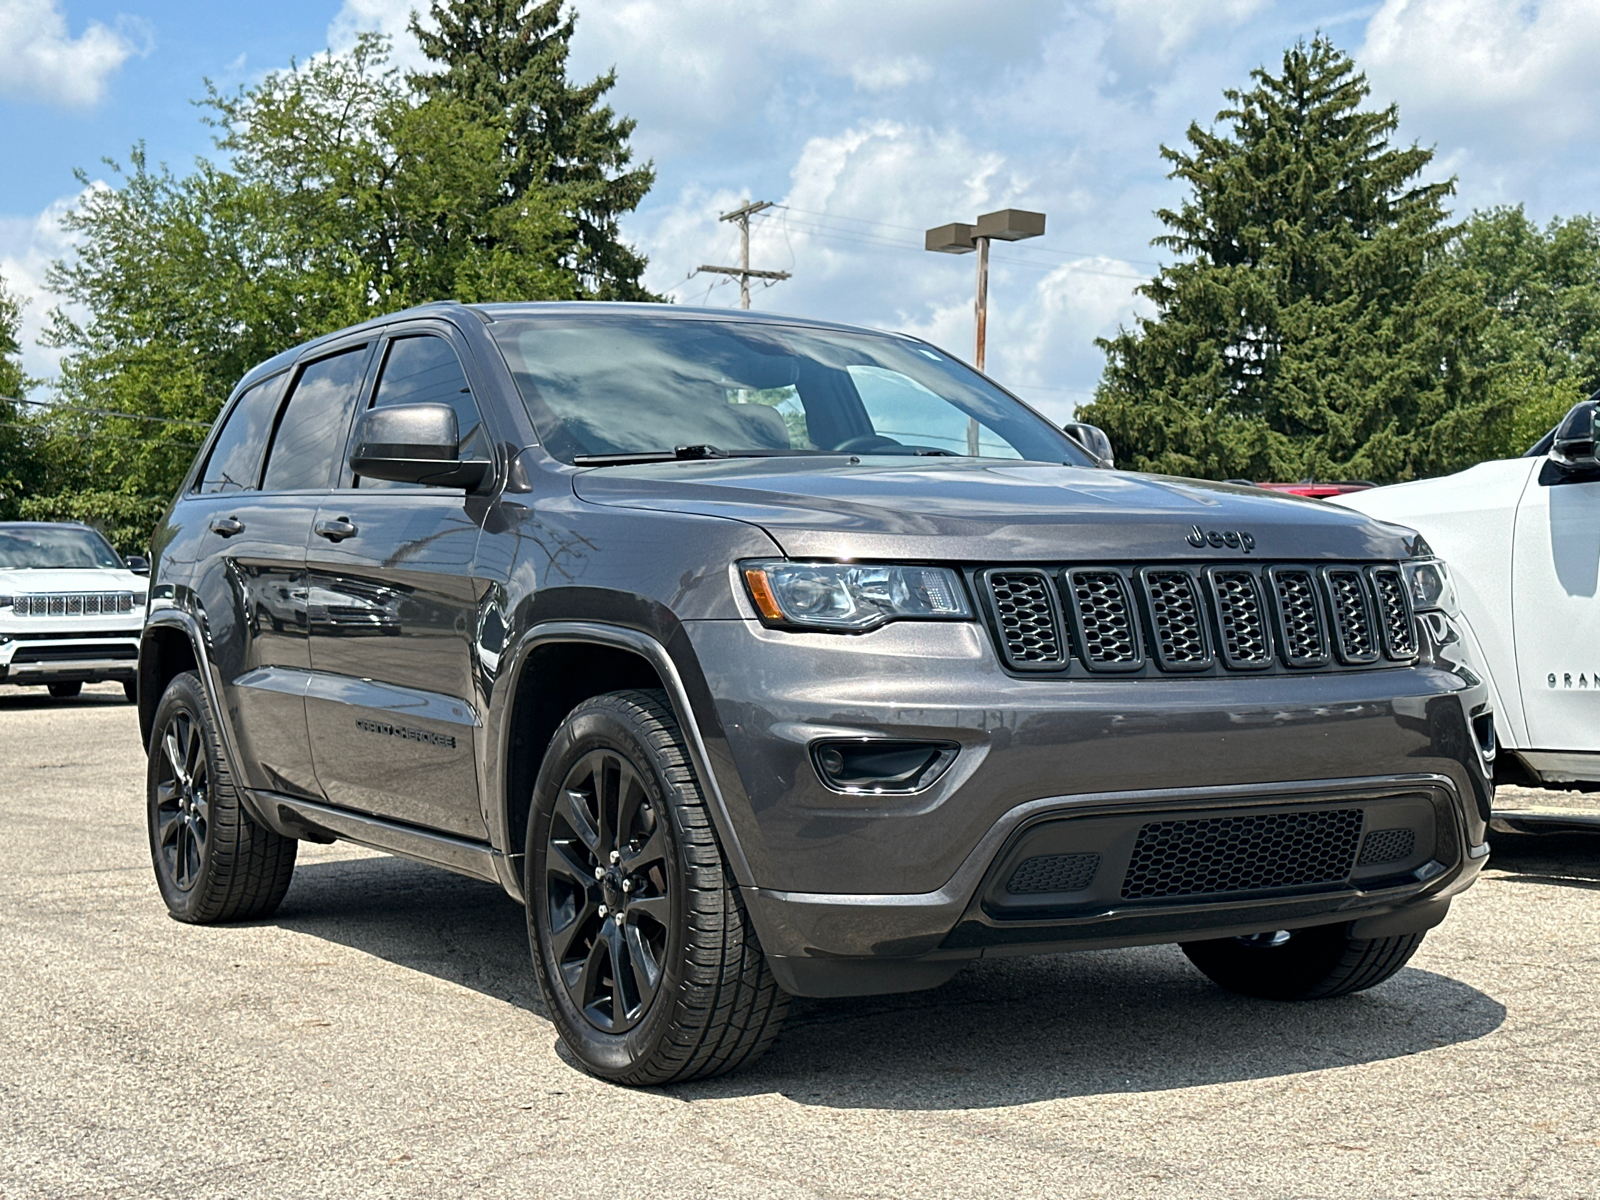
[(315, 422), (235, 461), (424, 369)]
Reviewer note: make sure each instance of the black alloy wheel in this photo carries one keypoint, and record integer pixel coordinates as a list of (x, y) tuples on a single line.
[(65, 691), (607, 889), (644, 953), (182, 810), (213, 861)]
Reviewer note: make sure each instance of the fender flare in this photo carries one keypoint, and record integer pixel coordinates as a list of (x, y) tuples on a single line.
[(211, 685), (655, 653)]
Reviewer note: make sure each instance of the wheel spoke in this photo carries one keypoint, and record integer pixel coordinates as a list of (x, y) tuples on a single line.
[(608, 789), (646, 970), (180, 854), (621, 980), (167, 794), (563, 861), (588, 981), (573, 808), (631, 795), (653, 851), (194, 753), (194, 852), (561, 939), (169, 747), (657, 908), (167, 829)]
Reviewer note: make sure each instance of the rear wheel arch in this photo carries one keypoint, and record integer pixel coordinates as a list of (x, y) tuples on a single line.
[(165, 652)]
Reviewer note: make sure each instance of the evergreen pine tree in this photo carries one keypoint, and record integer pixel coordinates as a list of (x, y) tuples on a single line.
[(1312, 327), (508, 59)]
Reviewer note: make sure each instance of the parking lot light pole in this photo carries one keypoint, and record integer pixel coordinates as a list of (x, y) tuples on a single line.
[(1007, 225)]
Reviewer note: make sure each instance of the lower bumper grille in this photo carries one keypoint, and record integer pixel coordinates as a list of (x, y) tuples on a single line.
[(82, 651), (1243, 854)]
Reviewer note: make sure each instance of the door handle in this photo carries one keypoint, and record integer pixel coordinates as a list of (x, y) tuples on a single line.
[(226, 526), (337, 530)]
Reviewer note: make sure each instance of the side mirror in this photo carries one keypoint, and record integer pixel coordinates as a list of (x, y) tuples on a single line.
[(1093, 439), (1573, 447), (137, 563), (413, 443)]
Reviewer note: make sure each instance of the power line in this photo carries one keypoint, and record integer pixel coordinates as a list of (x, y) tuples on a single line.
[(103, 412), (741, 217), (104, 437)]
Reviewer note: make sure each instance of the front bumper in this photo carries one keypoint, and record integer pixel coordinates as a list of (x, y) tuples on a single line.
[(857, 893), (37, 657)]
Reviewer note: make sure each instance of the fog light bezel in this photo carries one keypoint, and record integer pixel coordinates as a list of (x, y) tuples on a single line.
[(940, 755)]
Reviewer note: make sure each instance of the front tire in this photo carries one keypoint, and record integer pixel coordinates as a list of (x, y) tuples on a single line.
[(213, 862), (1303, 964), (65, 691), (643, 950)]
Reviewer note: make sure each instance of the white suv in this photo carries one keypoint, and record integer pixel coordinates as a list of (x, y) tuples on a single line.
[(1522, 537), (70, 609)]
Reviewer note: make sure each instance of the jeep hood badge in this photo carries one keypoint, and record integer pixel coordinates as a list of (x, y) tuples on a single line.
[(1233, 539)]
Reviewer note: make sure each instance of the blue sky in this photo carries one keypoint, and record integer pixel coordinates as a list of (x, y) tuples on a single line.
[(869, 122)]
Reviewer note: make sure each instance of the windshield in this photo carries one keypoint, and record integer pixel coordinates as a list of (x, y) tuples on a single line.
[(41, 547), (607, 384)]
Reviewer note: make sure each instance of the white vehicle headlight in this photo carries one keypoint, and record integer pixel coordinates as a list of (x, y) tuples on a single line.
[(852, 598), (1431, 587)]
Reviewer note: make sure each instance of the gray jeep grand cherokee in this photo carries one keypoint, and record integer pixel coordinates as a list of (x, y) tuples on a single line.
[(764, 657)]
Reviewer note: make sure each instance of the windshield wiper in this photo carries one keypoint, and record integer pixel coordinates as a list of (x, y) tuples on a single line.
[(676, 454)]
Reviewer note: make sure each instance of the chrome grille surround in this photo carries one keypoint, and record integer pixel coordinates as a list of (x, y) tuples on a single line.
[(1177, 619), (1103, 621), (72, 604), (1027, 616), (1395, 621), (1240, 606), (1355, 632), (1302, 634)]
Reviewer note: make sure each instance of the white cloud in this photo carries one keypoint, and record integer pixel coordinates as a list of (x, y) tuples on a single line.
[(1513, 71), (39, 60), (28, 245), (1161, 28)]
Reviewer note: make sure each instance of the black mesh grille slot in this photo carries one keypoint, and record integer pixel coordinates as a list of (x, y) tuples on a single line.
[(1243, 854), (1025, 611), (1387, 846), (1054, 873), (1394, 614), (1103, 620), (1241, 610), (1303, 639), (1353, 630), (1176, 620)]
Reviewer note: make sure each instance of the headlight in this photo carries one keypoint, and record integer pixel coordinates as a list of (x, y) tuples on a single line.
[(849, 597), (1431, 589)]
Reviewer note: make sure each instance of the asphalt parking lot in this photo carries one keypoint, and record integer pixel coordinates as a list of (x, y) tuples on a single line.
[(381, 1036)]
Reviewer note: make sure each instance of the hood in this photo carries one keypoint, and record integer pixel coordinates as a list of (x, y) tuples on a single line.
[(932, 509), (70, 579)]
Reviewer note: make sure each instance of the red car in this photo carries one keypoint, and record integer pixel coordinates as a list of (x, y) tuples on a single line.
[(1319, 491)]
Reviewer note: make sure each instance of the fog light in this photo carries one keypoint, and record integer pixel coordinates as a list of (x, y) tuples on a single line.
[(878, 766)]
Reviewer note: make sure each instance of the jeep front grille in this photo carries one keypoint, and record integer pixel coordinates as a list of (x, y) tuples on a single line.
[(1394, 612), (1206, 619), (1176, 620), (1245, 644), (1103, 620), (1025, 611), (73, 604), (1218, 855), (1352, 615)]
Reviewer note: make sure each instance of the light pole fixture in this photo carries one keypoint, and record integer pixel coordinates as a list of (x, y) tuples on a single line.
[(1007, 225)]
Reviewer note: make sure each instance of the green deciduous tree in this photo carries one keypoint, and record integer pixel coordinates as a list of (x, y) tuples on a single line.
[(507, 60), (1542, 289), (17, 454), (1312, 326), (342, 192)]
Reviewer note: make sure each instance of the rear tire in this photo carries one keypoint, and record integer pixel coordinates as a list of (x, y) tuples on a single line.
[(1305, 964), (213, 862), (130, 691), (666, 982), (65, 691)]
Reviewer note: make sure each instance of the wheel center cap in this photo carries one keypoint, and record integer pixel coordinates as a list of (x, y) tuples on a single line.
[(611, 885)]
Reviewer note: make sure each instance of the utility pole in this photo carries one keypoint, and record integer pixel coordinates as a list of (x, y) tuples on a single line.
[(741, 216), (1007, 225)]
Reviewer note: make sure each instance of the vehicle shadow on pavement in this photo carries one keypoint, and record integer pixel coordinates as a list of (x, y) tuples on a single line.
[(1003, 1032), (422, 918), (1556, 859)]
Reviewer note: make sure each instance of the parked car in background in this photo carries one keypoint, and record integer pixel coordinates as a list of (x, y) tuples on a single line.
[(1318, 489), (761, 656), (71, 608), (1522, 537)]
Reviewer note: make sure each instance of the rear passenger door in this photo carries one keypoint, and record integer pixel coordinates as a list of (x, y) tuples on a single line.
[(254, 505), (391, 709)]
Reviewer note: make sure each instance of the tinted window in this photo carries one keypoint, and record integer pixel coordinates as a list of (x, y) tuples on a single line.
[(235, 462), (604, 385), (315, 423), (46, 547), (425, 370)]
